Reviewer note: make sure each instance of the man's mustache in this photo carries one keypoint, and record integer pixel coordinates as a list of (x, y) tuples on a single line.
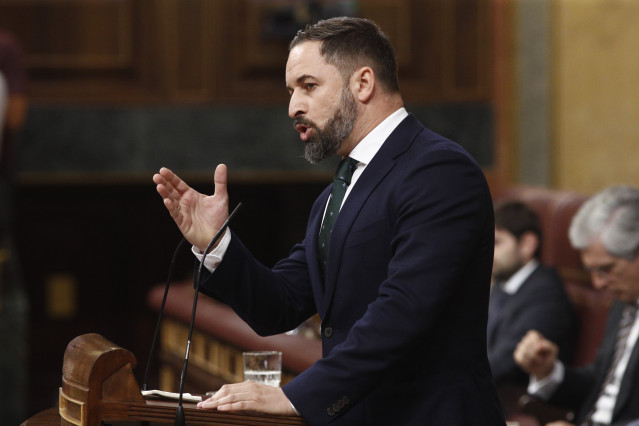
[(301, 121)]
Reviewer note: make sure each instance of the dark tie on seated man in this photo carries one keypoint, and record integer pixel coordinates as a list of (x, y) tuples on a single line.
[(396, 259), (605, 230), (525, 295)]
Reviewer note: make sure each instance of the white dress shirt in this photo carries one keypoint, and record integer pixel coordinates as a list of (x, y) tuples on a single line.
[(512, 285)]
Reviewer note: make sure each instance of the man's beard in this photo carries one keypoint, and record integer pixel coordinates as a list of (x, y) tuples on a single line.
[(504, 273), (325, 142)]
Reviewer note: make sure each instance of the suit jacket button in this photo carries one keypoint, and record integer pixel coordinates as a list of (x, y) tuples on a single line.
[(330, 412), (328, 331), (342, 402)]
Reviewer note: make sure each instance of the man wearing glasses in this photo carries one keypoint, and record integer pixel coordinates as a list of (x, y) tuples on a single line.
[(606, 232)]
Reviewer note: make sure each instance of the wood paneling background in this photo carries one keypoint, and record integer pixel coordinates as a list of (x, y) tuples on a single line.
[(232, 51)]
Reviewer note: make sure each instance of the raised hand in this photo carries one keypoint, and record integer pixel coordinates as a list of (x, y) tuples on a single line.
[(198, 216)]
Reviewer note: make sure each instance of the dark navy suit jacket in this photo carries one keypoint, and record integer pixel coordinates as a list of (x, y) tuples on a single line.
[(541, 304), (404, 305)]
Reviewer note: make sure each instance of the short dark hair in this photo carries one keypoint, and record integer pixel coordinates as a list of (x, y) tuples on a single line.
[(350, 43), (517, 218)]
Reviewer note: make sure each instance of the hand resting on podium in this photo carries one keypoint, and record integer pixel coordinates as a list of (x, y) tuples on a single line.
[(250, 396)]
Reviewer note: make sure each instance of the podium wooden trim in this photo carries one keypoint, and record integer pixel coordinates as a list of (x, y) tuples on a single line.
[(98, 385)]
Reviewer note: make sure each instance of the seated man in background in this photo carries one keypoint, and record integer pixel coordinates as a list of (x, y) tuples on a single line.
[(606, 232), (525, 295)]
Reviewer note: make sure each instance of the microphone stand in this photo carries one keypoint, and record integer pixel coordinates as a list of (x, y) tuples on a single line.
[(179, 415), (169, 277)]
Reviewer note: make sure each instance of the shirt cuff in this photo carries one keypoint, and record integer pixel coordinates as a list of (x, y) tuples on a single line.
[(297, 413), (215, 256), (544, 388)]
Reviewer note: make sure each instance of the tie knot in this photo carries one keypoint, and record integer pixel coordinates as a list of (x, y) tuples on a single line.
[(345, 170)]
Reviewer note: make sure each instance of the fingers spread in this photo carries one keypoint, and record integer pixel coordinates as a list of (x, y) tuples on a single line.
[(171, 188)]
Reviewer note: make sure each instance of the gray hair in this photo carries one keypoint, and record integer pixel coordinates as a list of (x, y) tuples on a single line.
[(611, 216)]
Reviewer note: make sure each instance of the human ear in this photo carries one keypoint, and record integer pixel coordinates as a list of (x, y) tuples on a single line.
[(363, 83), (528, 243)]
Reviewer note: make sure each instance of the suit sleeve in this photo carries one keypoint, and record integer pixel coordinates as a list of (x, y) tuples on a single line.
[(271, 301)]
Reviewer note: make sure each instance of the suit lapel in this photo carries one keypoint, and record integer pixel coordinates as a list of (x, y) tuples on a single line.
[(350, 210), (375, 172)]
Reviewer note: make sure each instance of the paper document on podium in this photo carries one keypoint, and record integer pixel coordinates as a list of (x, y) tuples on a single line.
[(172, 395)]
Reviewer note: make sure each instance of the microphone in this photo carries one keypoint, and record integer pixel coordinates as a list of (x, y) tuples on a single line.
[(169, 278), (179, 415)]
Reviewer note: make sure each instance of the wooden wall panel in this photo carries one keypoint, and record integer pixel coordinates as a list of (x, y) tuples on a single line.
[(469, 49), (443, 48), (184, 40), (231, 51), (249, 59), (72, 34), (86, 50)]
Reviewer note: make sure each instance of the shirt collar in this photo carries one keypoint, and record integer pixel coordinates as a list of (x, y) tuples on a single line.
[(366, 149), (513, 283)]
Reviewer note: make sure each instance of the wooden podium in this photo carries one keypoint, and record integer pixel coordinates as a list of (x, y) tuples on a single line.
[(98, 386)]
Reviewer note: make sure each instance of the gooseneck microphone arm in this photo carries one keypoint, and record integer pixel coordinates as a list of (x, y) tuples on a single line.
[(179, 415), (169, 277)]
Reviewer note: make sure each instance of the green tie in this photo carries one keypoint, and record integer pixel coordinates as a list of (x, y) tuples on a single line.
[(340, 183)]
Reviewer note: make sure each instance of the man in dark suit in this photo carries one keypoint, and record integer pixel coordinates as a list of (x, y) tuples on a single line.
[(525, 295), (402, 284), (606, 232)]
